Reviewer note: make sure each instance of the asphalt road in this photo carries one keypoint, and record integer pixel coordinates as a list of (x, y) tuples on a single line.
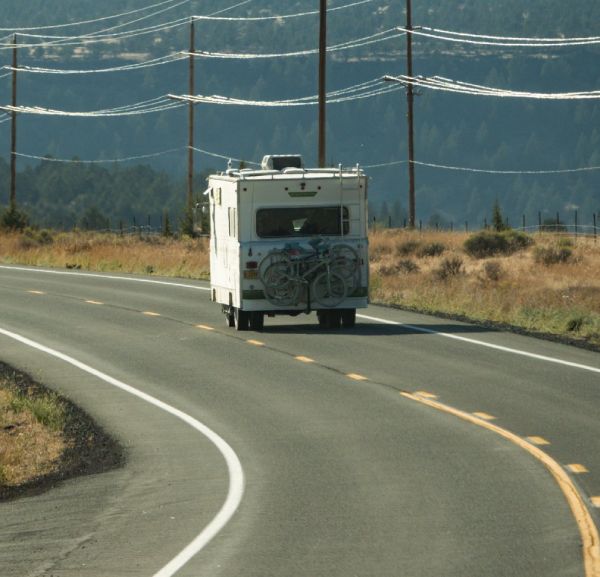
[(297, 451)]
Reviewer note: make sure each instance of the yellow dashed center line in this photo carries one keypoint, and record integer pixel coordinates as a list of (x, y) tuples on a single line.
[(150, 314), (205, 327), (304, 359), (94, 303), (587, 526), (426, 395), (255, 343), (539, 441), (577, 468), (357, 377), (36, 292), (485, 416)]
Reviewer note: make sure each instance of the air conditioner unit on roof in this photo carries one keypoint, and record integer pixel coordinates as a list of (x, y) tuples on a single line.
[(281, 161)]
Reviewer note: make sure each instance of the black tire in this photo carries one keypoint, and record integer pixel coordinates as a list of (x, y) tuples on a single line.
[(257, 321), (329, 319), (241, 320), (348, 318)]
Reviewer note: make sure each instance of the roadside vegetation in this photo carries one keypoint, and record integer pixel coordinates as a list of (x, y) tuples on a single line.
[(32, 438), (44, 438), (543, 283)]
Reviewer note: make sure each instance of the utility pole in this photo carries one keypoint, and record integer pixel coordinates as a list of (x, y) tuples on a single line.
[(322, 82), (192, 90), (410, 100), (13, 145)]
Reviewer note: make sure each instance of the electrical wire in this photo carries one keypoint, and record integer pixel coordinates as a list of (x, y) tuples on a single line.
[(485, 171), (510, 38), (125, 68), (367, 89), (357, 43), (107, 161), (279, 17), (160, 104), (514, 44), (449, 85), (215, 155), (83, 22)]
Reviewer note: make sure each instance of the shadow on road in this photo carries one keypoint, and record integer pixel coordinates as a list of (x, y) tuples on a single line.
[(367, 328)]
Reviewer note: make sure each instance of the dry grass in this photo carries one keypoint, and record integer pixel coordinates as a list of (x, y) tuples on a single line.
[(520, 289), (31, 437), (187, 258)]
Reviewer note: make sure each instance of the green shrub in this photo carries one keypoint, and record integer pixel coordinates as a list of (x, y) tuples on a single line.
[(493, 270), (449, 267), (488, 243), (407, 247), (13, 219), (431, 249), (550, 255)]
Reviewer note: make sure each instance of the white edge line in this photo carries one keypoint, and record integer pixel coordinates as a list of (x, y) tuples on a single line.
[(236, 473), (484, 344), (105, 276)]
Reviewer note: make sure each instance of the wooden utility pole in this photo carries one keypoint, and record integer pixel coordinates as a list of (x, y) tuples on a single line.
[(192, 90), (410, 100), (322, 82), (13, 145)]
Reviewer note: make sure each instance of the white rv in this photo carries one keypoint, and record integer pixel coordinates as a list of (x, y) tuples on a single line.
[(288, 240)]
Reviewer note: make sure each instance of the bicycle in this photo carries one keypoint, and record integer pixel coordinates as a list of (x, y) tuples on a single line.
[(327, 273)]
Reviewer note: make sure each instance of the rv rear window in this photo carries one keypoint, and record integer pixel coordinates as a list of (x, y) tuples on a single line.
[(301, 221)]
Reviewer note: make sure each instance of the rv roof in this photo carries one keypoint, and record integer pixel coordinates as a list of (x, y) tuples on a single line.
[(290, 173)]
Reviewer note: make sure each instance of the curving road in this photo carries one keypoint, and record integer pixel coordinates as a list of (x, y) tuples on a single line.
[(408, 446)]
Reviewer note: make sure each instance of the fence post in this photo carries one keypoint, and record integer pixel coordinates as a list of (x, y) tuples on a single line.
[(594, 227), (576, 223), (389, 222), (466, 226), (523, 223), (539, 221)]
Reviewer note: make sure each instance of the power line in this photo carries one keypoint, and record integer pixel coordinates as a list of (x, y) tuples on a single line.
[(501, 41), (367, 89), (104, 161), (357, 43), (176, 57), (459, 87), (83, 22), (281, 16), (485, 171), (160, 104)]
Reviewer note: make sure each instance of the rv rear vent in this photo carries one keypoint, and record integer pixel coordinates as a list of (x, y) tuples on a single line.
[(281, 161)]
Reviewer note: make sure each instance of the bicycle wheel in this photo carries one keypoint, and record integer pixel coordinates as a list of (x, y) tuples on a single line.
[(329, 288), (280, 287), (274, 257), (346, 262)]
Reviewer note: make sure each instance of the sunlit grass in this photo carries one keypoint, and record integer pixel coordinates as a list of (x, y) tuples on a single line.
[(31, 433)]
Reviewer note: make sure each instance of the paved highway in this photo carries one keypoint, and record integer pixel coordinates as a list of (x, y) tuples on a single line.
[(408, 446)]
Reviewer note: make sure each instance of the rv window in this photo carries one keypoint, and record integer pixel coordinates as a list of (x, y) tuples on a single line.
[(301, 221)]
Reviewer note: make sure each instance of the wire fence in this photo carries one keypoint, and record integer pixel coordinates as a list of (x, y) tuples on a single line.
[(554, 225)]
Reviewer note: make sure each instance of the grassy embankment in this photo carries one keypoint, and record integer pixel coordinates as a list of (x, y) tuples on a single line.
[(547, 284), (31, 432)]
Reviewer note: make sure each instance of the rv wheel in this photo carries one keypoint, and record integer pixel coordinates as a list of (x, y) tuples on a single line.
[(241, 320), (348, 318), (257, 321)]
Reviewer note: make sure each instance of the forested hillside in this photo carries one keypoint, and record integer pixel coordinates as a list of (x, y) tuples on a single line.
[(517, 137)]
